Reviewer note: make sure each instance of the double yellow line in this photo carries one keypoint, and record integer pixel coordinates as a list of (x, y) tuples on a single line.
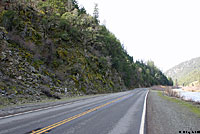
[(46, 129)]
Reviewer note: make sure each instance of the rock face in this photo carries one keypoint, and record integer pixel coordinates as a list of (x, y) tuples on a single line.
[(23, 79), (50, 49), (32, 72)]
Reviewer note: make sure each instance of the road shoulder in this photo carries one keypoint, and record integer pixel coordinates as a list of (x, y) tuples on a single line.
[(167, 117), (23, 108)]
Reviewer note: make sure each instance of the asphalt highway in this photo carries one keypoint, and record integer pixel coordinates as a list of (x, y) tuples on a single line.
[(117, 113)]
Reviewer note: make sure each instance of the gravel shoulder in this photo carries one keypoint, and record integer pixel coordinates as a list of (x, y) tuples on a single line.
[(166, 117)]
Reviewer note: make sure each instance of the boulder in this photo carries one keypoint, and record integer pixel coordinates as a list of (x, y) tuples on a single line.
[(33, 70), (19, 77), (46, 79)]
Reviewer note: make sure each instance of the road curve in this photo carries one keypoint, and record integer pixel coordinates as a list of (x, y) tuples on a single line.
[(118, 113)]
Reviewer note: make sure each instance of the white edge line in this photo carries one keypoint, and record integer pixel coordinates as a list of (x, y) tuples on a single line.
[(143, 115)]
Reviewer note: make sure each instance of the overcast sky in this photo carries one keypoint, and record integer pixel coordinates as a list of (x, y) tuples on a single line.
[(165, 31)]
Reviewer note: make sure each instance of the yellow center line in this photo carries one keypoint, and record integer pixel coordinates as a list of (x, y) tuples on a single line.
[(45, 129)]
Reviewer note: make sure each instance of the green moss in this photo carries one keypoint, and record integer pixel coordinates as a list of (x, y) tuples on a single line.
[(28, 55), (7, 15), (1, 15), (65, 36), (193, 108), (112, 84), (46, 72), (2, 29), (21, 69), (55, 63), (59, 81), (38, 63), (62, 53), (73, 78), (3, 102), (83, 89), (33, 35)]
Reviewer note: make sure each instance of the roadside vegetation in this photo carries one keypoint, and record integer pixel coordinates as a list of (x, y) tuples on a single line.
[(54, 49), (172, 96), (192, 106)]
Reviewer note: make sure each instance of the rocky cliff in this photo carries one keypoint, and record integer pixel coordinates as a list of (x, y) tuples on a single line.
[(53, 49)]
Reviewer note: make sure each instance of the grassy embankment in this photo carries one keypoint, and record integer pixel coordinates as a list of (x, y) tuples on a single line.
[(193, 107)]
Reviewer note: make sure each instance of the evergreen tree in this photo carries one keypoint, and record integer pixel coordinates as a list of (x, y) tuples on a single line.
[(96, 12)]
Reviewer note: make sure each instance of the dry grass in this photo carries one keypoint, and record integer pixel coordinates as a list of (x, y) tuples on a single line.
[(158, 88), (193, 106), (191, 89), (171, 93), (162, 88), (167, 90)]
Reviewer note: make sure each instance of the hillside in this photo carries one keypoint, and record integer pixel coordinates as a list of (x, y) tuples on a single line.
[(186, 73), (54, 49)]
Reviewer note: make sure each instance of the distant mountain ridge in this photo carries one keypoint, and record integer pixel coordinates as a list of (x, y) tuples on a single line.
[(186, 72)]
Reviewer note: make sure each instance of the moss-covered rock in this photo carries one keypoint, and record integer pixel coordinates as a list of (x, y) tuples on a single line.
[(54, 49)]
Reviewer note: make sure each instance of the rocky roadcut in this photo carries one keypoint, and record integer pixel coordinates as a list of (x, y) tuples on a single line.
[(54, 49), (165, 117)]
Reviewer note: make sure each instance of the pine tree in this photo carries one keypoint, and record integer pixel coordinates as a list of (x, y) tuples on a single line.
[(96, 12)]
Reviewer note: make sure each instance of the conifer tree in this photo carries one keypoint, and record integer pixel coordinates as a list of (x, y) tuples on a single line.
[(96, 12)]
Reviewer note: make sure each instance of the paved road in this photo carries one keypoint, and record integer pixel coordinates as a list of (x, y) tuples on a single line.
[(118, 113)]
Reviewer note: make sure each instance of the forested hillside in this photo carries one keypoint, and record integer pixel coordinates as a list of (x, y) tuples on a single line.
[(186, 73), (53, 48)]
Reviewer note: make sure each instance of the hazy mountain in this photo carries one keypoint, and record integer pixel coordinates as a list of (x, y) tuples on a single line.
[(186, 73)]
